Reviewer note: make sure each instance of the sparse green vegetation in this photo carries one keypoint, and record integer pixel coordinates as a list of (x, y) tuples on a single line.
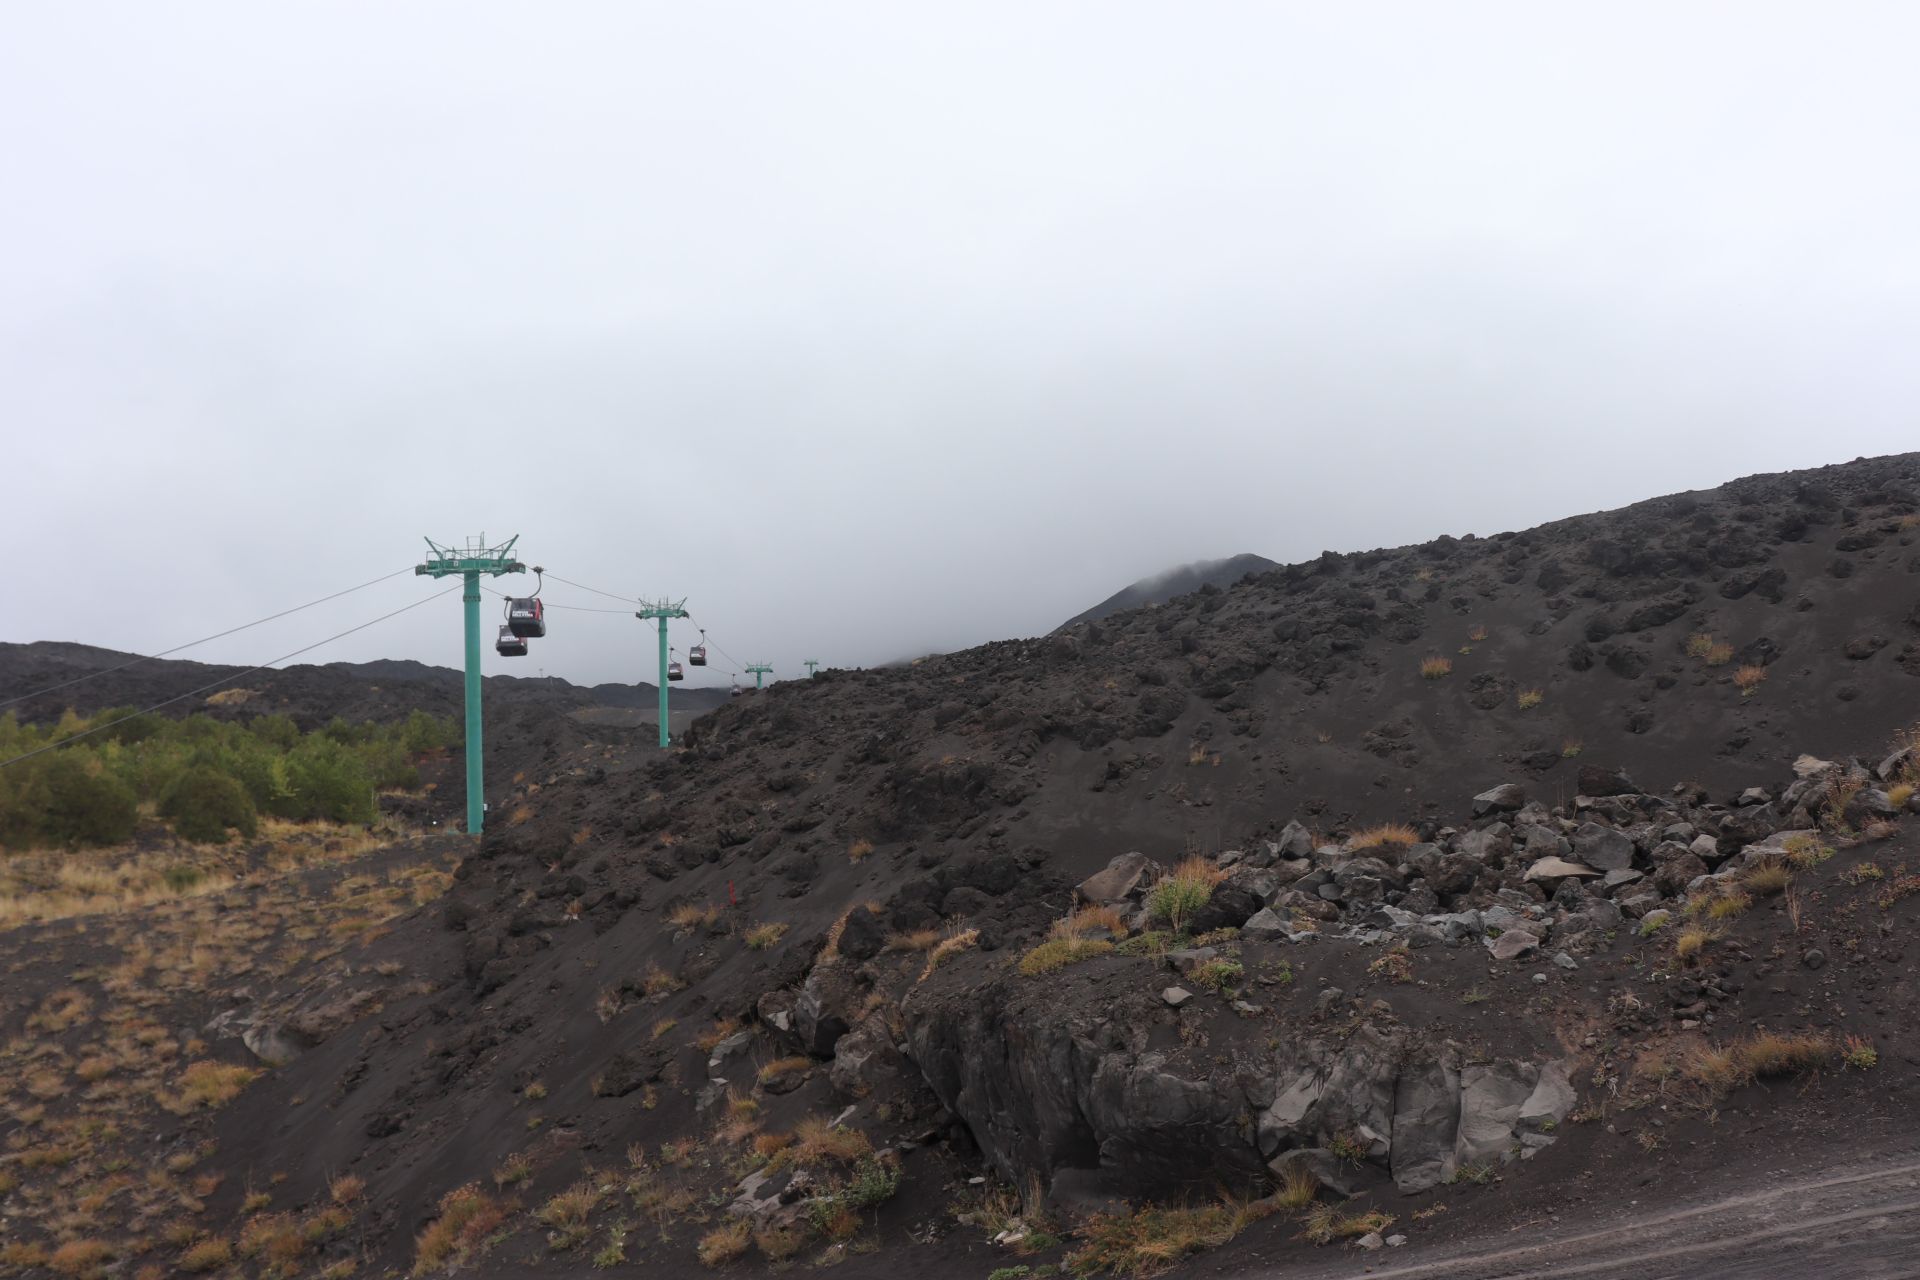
[(1148, 1242), (1219, 974), (1531, 698), (1860, 1054), (565, 1214), (1806, 850), (1395, 965), (1180, 894), (205, 775), (762, 936), (1325, 1224), (1058, 953)]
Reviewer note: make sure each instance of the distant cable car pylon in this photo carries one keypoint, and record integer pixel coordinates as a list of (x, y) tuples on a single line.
[(470, 562), (660, 611), (759, 670), (810, 664)]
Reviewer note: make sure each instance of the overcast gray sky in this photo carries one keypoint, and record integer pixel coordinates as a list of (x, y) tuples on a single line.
[(881, 328)]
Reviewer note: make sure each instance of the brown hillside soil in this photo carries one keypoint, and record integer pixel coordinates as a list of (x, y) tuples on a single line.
[(825, 897)]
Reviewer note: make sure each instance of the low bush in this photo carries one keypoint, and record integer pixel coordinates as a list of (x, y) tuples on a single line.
[(207, 806), (1179, 895)]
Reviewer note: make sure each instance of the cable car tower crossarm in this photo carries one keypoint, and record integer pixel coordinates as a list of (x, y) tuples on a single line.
[(470, 562)]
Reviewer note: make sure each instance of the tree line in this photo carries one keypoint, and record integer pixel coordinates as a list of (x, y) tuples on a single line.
[(206, 778)]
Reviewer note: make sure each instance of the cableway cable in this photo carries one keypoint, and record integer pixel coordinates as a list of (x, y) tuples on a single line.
[(91, 675), (180, 697), (597, 591)]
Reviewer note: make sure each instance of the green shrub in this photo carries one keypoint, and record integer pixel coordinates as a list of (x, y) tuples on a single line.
[(330, 781), (203, 803), (84, 803)]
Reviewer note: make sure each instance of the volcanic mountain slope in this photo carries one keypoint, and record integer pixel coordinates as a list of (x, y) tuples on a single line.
[(1162, 587), (817, 898), (311, 693)]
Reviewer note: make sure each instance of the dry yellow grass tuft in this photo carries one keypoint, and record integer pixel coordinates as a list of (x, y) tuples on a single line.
[(1058, 953), (692, 915), (1434, 667), (1728, 905), (710, 1038), (817, 1141), (784, 1067), (859, 849), (948, 947), (208, 1255), (1151, 1241), (1748, 678), (1385, 833), (1092, 919), (762, 936), (725, 1243), (1699, 644), (1692, 941), (658, 982), (1763, 1055), (80, 1257), (918, 940), (1767, 878), (211, 1084), (1531, 698), (467, 1217)]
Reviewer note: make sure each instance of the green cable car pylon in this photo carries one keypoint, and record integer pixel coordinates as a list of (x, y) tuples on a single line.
[(759, 669), (810, 664), (470, 562), (661, 610)]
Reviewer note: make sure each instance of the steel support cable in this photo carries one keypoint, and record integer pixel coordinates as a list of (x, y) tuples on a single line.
[(576, 608), (180, 697), (709, 641), (107, 671), (597, 591)]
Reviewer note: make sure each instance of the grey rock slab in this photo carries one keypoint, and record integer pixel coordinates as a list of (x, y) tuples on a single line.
[(1119, 879), (1491, 1097), (1504, 798), (1426, 1122), (1512, 945), (1558, 868), (1602, 847)]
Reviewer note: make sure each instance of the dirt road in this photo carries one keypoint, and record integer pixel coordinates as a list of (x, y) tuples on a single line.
[(1854, 1217)]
